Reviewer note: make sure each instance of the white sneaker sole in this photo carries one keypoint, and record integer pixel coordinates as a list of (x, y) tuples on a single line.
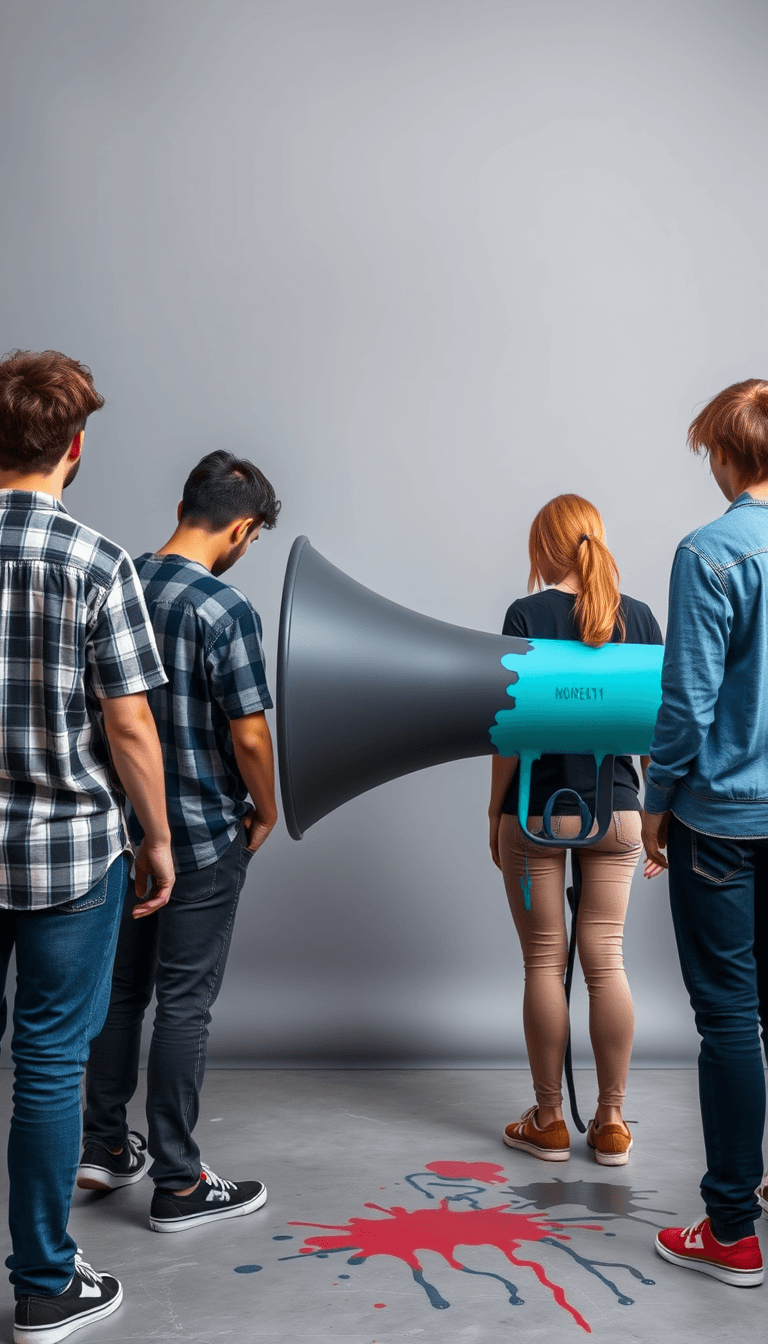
[(99, 1178), (612, 1159), (737, 1278), (546, 1154), (50, 1334), (185, 1223)]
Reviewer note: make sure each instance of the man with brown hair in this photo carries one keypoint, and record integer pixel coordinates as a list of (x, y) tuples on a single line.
[(77, 656), (706, 803)]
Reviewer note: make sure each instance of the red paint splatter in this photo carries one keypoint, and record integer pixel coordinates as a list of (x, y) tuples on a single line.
[(487, 1172), (442, 1230), (379, 1304)]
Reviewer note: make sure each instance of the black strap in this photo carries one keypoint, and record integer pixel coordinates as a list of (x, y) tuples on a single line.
[(573, 893)]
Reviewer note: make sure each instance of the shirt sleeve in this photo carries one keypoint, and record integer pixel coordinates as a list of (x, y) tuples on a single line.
[(655, 635), (120, 647), (515, 623), (700, 617), (235, 665)]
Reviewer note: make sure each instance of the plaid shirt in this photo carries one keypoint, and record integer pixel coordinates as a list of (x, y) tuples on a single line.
[(209, 637), (73, 629)]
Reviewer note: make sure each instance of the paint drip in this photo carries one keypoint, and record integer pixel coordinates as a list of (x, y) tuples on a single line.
[(401, 1234), (525, 885)]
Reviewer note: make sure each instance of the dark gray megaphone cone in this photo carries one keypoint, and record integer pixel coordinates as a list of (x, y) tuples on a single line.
[(368, 690)]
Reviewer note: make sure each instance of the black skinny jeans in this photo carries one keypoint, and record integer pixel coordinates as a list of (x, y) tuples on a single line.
[(719, 895), (181, 953)]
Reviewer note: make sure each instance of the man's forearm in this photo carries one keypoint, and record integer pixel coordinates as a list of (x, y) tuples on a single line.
[(138, 762), (255, 760), (694, 659)]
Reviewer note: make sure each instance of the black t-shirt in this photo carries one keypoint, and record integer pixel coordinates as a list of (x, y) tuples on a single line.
[(549, 615)]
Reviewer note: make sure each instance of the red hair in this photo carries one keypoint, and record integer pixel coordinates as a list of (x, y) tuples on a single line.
[(735, 424), (568, 534)]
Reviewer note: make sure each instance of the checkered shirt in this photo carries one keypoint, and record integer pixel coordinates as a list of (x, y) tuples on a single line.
[(73, 630), (209, 638)]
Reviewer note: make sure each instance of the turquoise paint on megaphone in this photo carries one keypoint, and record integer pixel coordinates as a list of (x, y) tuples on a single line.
[(571, 699)]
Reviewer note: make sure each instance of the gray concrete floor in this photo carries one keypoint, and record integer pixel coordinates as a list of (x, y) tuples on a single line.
[(330, 1143)]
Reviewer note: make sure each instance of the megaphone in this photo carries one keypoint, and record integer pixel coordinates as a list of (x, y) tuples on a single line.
[(368, 690)]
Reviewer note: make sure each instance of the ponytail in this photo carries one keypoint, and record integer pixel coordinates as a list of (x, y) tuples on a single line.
[(598, 606), (568, 534)]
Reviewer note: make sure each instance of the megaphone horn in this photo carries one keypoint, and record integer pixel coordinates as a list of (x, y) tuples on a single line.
[(368, 690)]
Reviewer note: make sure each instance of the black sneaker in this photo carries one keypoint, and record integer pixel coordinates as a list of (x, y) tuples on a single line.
[(212, 1198), (101, 1170), (87, 1298)]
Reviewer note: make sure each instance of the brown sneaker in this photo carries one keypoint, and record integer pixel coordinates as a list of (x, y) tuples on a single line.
[(611, 1143), (551, 1143)]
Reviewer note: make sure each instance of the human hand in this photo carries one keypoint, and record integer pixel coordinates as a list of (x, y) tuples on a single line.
[(257, 830), (651, 869), (655, 828), (156, 862)]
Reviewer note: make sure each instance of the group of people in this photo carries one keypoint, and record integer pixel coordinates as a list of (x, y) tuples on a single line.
[(137, 781), (704, 817)]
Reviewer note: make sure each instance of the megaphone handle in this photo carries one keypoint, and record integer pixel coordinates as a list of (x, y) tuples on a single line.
[(524, 790), (603, 796), (603, 806)]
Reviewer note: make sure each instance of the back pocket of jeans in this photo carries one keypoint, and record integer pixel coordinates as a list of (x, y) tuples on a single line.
[(90, 901), (715, 858), (627, 826), (197, 885)]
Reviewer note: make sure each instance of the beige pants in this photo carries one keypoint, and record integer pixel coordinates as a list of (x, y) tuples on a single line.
[(606, 874)]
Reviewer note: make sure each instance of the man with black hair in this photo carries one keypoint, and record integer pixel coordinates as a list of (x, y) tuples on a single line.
[(217, 750)]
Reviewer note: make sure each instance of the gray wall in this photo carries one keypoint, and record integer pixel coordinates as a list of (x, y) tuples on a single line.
[(429, 262)]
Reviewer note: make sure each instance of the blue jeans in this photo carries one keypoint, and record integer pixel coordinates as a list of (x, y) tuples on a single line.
[(181, 953), (64, 959), (719, 896)]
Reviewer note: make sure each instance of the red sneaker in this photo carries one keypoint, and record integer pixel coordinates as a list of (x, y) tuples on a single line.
[(740, 1264)]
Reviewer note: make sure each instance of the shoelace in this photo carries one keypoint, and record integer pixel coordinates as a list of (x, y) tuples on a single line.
[(136, 1143), (217, 1182), (85, 1271)]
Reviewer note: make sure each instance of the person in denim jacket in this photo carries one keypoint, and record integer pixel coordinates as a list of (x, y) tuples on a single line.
[(706, 804)]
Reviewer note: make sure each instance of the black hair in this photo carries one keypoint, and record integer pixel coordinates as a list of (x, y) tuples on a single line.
[(223, 487)]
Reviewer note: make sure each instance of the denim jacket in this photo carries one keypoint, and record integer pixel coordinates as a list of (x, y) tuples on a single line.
[(709, 757)]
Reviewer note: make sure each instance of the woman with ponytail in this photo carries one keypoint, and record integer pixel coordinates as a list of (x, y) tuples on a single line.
[(570, 559)]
